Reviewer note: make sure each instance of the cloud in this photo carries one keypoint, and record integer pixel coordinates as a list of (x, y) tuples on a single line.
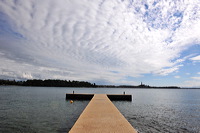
[(177, 77), (191, 83), (196, 78), (194, 82), (166, 71), (196, 58), (88, 40)]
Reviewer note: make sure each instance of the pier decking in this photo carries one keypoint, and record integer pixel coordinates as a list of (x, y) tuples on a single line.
[(101, 116)]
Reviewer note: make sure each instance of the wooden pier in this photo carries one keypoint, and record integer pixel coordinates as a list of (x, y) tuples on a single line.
[(101, 116)]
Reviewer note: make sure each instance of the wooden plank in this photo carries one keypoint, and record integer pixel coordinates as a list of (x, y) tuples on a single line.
[(101, 116)]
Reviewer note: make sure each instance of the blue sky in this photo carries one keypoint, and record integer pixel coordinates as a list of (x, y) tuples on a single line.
[(119, 42)]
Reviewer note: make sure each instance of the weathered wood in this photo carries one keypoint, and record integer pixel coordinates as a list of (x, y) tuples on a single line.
[(101, 116)]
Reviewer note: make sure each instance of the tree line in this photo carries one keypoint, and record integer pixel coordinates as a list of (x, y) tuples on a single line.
[(68, 83), (48, 83)]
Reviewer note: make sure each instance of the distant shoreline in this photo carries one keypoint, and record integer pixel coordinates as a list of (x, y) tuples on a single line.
[(81, 84), (152, 88)]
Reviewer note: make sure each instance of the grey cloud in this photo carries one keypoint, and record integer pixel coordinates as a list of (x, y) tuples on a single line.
[(85, 37)]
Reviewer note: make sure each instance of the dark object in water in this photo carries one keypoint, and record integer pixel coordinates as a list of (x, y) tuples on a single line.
[(112, 97)]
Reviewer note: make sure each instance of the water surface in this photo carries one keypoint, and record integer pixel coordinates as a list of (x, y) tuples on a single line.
[(37, 110), (44, 109), (163, 110)]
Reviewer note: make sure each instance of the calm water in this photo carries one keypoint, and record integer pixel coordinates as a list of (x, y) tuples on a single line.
[(42, 109)]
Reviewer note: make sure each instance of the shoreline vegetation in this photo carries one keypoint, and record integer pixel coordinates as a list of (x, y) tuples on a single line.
[(47, 83), (68, 83)]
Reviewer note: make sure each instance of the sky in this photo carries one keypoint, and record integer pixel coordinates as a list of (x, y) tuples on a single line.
[(115, 42)]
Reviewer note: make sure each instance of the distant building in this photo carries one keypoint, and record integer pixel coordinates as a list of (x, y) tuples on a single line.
[(143, 85)]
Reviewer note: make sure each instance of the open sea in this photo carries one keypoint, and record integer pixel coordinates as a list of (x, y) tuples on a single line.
[(45, 110)]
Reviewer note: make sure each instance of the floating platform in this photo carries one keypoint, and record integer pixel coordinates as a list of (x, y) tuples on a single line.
[(101, 116), (79, 96), (112, 97)]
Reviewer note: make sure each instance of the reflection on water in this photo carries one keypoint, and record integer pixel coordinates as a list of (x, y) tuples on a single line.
[(163, 111), (34, 110), (42, 109)]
